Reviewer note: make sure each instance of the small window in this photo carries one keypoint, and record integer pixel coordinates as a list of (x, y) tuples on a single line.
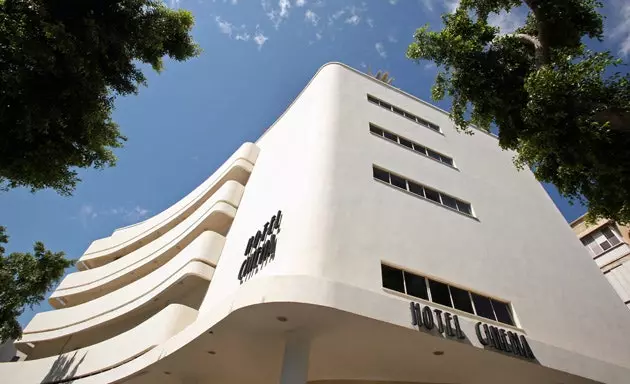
[(398, 181), (502, 310), (449, 201), (432, 195), (372, 99), (405, 142), (420, 149), (433, 127), (461, 299), (612, 238), (439, 293), (464, 207), (398, 111), (434, 155), (605, 245), (410, 116), (380, 174), (447, 160), (416, 188), (376, 130), (391, 136), (385, 105), (392, 278), (483, 306), (416, 286)]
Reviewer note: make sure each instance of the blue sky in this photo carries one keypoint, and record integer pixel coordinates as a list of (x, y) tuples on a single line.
[(256, 58)]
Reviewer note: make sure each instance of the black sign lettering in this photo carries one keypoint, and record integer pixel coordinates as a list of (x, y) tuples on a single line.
[(259, 249)]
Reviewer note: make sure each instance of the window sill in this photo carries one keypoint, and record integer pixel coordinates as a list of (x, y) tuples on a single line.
[(453, 310)]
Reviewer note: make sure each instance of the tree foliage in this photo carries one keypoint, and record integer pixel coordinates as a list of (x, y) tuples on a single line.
[(61, 65), (561, 107), (24, 280)]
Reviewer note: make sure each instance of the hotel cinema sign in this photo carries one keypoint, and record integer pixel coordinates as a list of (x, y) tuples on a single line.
[(488, 335), (260, 248)]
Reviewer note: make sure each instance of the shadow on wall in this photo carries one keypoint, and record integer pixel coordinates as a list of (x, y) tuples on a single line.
[(64, 369)]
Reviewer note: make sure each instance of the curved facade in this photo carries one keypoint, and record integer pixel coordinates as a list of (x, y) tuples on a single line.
[(369, 243)]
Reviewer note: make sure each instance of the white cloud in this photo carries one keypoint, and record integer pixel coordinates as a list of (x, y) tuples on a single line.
[(428, 4), (429, 66), (621, 31), (88, 212), (380, 48), (393, 2), (311, 17), (136, 214), (318, 36), (300, 3), (354, 20), (277, 15), (370, 22), (175, 3), (451, 5), (224, 26), (363, 65), (243, 36), (507, 22), (391, 38), (260, 39)]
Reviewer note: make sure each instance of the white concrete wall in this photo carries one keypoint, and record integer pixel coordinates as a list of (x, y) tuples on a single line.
[(315, 165)]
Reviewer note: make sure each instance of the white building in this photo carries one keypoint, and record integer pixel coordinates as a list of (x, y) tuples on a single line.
[(361, 239)]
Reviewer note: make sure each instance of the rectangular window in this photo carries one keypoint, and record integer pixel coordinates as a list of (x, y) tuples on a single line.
[(601, 240), (416, 286), (440, 293), (421, 190), (403, 113), (392, 278), (421, 149), (380, 174), (447, 295)]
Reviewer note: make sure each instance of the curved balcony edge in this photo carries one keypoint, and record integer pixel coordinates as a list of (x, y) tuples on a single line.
[(83, 286), (98, 358), (104, 250), (43, 331)]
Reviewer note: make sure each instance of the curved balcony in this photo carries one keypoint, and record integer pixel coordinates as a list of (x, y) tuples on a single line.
[(184, 280), (125, 240), (99, 357), (216, 214)]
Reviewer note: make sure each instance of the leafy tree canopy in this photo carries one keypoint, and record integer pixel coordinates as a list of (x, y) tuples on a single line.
[(61, 65), (560, 106), (24, 280)]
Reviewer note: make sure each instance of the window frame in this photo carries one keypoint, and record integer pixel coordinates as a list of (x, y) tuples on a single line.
[(406, 114), (427, 284)]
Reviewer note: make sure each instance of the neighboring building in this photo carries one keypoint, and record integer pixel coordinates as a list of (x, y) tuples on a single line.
[(361, 239), (8, 352), (608, 244)]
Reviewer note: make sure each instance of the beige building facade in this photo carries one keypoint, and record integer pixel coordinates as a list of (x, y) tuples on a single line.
[(361, 239), (608, 243)]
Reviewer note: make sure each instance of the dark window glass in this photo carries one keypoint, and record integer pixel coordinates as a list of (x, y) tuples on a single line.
[(399, 111), (449, 201), (398, 181), (376, 130), (405, 142), (385, 105), (461, 300), (464, 207), (416, 286), (586, 239), (432, 195), (434, 155), (447, 160), (391, 136), (433, 127), (372, 99), (420, 148), (392, 278), (605, 245), (610, 236), (502, 311), (439, 293), (416, 188), (483, 306), (423, 122), (380, 174), (410, 117)]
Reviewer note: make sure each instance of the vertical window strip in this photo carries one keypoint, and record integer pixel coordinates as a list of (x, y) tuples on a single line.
[(427, 282), (427, 193), (412, 145), (401, 112)]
